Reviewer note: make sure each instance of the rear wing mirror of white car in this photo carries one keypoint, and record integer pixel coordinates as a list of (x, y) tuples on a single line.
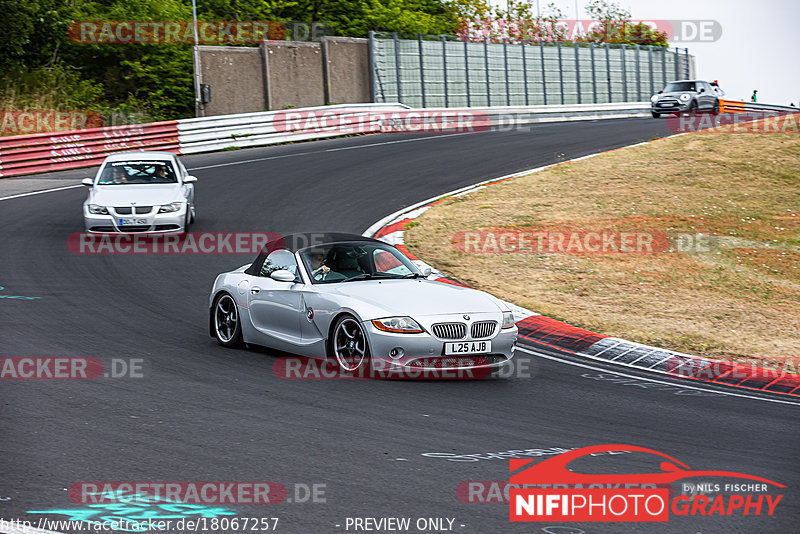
[(189, 179), (88, 182)]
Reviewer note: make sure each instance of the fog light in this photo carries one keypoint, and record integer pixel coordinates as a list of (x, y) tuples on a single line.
[(396, 352)]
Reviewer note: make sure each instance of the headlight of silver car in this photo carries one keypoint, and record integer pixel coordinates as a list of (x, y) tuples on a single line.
[(170, 208), (654, 99), (684, 97), (398, 325), (508, 319), (94, 209)]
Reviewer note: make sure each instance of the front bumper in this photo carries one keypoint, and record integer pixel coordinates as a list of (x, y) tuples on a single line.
[(152, 222), (670, 106), (410, 354)]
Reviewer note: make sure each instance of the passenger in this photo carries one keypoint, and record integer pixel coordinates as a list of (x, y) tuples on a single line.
[(118, 175)]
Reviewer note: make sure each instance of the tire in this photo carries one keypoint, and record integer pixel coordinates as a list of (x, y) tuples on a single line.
[(655, 115), (226, 321), (715, 109), (349, 346), (692, 107)]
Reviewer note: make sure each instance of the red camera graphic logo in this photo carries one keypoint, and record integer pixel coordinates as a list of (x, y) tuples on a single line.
[(576, 500)]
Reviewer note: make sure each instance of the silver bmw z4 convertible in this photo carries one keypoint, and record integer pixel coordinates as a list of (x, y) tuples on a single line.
[(360, 303)]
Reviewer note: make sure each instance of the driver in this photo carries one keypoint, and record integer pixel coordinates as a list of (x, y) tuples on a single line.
[(161, 173), (318, 267)]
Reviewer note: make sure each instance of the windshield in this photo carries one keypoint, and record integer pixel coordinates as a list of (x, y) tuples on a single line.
[(339, 262), (138, 172), (675, 87)]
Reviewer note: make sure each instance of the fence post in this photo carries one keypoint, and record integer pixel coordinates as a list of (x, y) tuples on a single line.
[(624, 75), (444, 65), (608, 72), (688, 65), (677, 72), (486, 67), (505, 66), (544, 76), (373, 74), (466, 72), (594, 75), (650, 59), (397, 67), (421, 69), (525, 72), (663, 67), (638, 76), (578, 72), (560, 74)]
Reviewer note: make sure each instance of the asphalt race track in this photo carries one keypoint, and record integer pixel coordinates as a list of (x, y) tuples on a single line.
[(205, 413)]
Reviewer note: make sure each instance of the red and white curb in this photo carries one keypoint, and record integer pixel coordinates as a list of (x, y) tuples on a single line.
[(544, 331)]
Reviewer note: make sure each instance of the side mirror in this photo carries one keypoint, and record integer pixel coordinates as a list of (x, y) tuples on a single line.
[(660, 92), (282, 275), (702, 90), (426, 272), (88, 182), (189, 179)]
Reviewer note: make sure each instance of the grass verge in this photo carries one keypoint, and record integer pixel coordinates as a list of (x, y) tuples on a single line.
[(734, 296)]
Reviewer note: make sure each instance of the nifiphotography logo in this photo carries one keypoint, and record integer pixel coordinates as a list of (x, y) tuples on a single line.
[(549, 491)]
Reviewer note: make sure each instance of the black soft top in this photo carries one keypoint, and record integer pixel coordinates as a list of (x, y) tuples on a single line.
[(299, 241)]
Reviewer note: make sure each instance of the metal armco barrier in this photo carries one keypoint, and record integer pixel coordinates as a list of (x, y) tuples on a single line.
[(736, 106), (29, 154), (731, 106)]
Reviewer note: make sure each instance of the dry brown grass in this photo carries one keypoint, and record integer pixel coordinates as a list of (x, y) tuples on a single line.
[(742, 300)]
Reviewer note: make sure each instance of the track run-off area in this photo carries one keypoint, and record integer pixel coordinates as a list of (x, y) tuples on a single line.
[(371, 448)]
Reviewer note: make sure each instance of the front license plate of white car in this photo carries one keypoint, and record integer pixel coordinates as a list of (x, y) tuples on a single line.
[(467, 347), (130, 221)]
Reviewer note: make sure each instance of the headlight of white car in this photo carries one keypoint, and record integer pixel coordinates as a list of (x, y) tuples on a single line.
[(684, 97), (94, 209), (398, 325), (169, 208), (508, 319), (654, 99)]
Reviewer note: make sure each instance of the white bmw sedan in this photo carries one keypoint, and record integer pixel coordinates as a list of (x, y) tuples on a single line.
[(140, 192)]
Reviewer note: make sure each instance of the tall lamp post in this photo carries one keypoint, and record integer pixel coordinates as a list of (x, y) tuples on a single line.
[(198, 104)]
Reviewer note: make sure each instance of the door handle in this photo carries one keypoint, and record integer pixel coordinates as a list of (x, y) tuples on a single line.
[(255, 290)]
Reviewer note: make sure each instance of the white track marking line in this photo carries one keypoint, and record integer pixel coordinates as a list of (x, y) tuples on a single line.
[(42, 191), (256, 160), (673, 384)]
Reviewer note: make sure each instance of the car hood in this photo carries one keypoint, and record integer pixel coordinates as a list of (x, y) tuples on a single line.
[(674, 94), (141, 194), (414, 297)]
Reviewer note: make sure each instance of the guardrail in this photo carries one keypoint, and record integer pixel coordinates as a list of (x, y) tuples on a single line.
[(737, 106), (29, 154)]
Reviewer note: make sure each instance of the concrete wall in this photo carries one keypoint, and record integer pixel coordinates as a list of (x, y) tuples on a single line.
[(295, 75), (278, 75), (347, 70), (235, 74)]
